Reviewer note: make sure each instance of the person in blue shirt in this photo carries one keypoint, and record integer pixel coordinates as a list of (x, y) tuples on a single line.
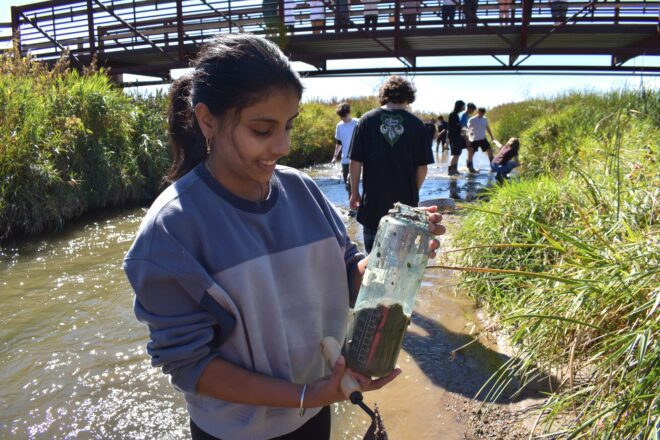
[(465, 132)]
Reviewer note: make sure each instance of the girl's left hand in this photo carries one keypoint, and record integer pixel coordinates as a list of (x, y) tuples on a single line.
[(435, 228), (373, 383)]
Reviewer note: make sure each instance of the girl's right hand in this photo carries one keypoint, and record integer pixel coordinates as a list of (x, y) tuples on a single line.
[(327, 390)]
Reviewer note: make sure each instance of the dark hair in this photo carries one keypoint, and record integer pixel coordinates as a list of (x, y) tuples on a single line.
[(514, 143), (441, 118), (343, 109), (471, 105), (481, 109), (396, 90), (232, 72), (459, 105)]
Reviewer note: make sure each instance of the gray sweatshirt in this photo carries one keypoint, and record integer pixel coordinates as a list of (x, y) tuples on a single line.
[(256, 284)]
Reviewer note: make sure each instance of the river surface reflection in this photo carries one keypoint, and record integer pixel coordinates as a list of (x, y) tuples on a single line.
[(73, 363)]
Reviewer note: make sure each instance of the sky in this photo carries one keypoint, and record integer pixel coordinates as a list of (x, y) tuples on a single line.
[(437, 93)]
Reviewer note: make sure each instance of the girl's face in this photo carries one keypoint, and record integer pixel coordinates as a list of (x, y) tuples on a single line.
[(247, 146)]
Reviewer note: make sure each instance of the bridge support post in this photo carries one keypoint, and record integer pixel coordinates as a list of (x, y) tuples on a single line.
[(16, 28), (90, 29), (180, 31)]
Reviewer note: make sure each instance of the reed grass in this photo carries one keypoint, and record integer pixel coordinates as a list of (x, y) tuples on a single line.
[(568, 258), (72, 142)]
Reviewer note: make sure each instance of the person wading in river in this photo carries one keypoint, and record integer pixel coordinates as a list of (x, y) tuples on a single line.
[(242, 266), (455, 134), (343, 135), (391, 145)]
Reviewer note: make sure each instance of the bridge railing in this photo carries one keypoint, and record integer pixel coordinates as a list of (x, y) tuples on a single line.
[(87, 27), (5, 35)]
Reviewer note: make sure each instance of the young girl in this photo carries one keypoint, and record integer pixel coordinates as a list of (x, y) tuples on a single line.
[(506, 159), (241, 266)]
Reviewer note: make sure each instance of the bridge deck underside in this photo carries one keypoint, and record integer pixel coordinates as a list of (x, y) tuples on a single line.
[(316, 50), (151, 37)]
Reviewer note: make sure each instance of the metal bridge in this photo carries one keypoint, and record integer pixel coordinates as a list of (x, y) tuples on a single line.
[(150, 37)]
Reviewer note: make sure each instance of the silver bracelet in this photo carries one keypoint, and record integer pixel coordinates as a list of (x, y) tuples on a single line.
[(301, 410)]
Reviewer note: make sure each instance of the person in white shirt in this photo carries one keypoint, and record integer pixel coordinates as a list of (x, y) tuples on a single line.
[(478, 127), (343, 137), (411, 9), (317, 16)]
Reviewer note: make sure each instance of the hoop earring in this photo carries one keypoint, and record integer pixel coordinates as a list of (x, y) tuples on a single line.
[(208, 146)]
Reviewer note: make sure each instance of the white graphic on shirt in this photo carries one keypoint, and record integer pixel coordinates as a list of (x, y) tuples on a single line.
[(391, 127)]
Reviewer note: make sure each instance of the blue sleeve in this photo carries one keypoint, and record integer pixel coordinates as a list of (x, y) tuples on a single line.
[(183, 334)]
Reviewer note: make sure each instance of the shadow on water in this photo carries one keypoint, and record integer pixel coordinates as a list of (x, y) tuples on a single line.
[(462, 371)]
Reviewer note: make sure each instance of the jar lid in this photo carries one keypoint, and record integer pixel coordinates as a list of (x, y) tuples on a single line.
[(418, 217)]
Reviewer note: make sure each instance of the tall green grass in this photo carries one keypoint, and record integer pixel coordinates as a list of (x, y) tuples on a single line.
[(568, 258), (71, 143)]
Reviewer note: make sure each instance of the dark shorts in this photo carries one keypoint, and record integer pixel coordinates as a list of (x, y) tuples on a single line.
[(318, 427), (344, 175), (369, 238), (457, 143), (482, 143)]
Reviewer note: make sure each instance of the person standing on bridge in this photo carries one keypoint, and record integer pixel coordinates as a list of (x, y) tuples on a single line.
[(390, 146), (370, 14), (271, 20), (558, 9), (342, 18), (241, 266), (470, 10), (505, 7), (411, 9), (448, 12), (317, 16)]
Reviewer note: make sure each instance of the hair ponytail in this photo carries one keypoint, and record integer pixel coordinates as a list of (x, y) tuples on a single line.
[(186, 139)]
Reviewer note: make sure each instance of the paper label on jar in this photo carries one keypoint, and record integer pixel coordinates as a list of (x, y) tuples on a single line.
[(379, 279), (374, 275)]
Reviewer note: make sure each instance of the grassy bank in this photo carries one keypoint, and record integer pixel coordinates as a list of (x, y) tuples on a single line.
[(568, 259), (72, 143)]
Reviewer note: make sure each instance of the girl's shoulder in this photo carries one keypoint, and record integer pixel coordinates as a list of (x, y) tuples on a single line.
[(292, 176), (293, 180)]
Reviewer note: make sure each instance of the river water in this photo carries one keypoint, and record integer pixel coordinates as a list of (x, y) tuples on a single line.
[(73, 363)]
